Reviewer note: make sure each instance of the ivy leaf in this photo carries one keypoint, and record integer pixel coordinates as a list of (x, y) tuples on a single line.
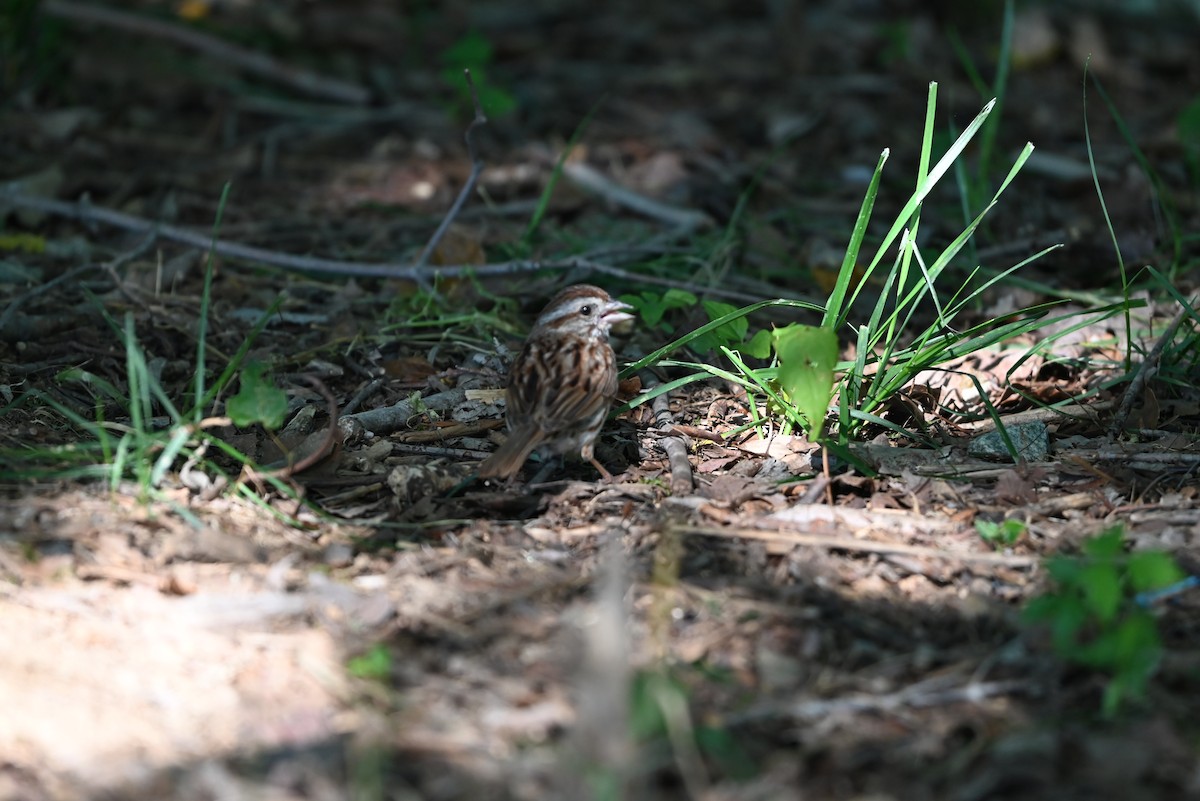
[(258, 400), (733, 331), (1153, 570), (678, 299), (759, 345), (1102, 590), (1107, 545)]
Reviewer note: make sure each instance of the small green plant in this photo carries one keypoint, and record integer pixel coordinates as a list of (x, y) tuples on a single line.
[(889, 350), (653, 306), (258, 400), (807, 358), (1094, 616), (660, 715), (375, 664), (151, 431), (731, 333), (475, 53), (1003, 534)]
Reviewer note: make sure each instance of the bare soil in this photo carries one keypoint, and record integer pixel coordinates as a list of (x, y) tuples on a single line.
[(730, 627)]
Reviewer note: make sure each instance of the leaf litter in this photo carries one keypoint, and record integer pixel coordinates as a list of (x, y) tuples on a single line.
[(720, 634)]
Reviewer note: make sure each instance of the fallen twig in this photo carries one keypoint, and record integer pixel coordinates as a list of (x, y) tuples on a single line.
[(584, 262), (367, 390), (468, 187), (682, 479), (460, 454), (251, 61), (390, 418), (585, 177)]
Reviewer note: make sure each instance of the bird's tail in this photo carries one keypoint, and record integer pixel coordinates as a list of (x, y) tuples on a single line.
[(510, 456)]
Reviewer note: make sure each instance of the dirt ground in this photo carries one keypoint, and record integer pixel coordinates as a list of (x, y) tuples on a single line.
[(727, 624)]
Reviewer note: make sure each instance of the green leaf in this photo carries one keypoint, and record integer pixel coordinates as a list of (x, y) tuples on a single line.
[(258, 400), (648, 305), (759, 345), (1063, 570), (733, 331), (1137, 643), (1067, 624), (1108, 545), (678, 299), (1006, 532), (807, 356), (1153, 570), (646, 719), (374, 664), (723, 748), (1101, 587), (472, 51), (495, 101)]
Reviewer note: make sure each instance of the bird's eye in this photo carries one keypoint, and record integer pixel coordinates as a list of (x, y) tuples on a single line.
[(586, 311)]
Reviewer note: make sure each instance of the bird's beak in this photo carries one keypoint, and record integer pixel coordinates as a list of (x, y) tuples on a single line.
[(617, 312)]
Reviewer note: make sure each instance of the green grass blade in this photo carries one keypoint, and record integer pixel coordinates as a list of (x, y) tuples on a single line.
[(935, 175), (179, 438), (239, 356), (987, 138), (205, 301), (1108, 223), (543, 204), (656, 356), (833, 316), (1162, 192)]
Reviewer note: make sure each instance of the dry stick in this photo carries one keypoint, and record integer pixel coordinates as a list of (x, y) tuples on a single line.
[(472, 179), (430, 450), (85, 212), (682, 480), (1145, 371), (367, 390), (390, 418), (585, 262), (586, 177), (221, 51)]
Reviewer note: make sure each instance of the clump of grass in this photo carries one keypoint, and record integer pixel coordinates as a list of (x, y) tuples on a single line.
[(891, 348), (154, 432)]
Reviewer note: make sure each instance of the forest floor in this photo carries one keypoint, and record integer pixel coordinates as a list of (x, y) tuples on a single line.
[(742, 625)]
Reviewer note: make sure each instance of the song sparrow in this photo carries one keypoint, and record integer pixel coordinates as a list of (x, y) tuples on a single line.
[(561, 384)]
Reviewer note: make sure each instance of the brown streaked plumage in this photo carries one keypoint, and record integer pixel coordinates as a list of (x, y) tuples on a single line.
[(562, 383)]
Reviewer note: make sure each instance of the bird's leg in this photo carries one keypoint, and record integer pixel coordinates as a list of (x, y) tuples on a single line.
[(604, 473)]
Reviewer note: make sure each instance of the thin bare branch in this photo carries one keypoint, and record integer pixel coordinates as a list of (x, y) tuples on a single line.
[(468, 187), (248, 60), (585, 177), (585, 262)]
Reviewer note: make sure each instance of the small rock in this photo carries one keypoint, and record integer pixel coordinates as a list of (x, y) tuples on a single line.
[(338, 554), (1031, 440)]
